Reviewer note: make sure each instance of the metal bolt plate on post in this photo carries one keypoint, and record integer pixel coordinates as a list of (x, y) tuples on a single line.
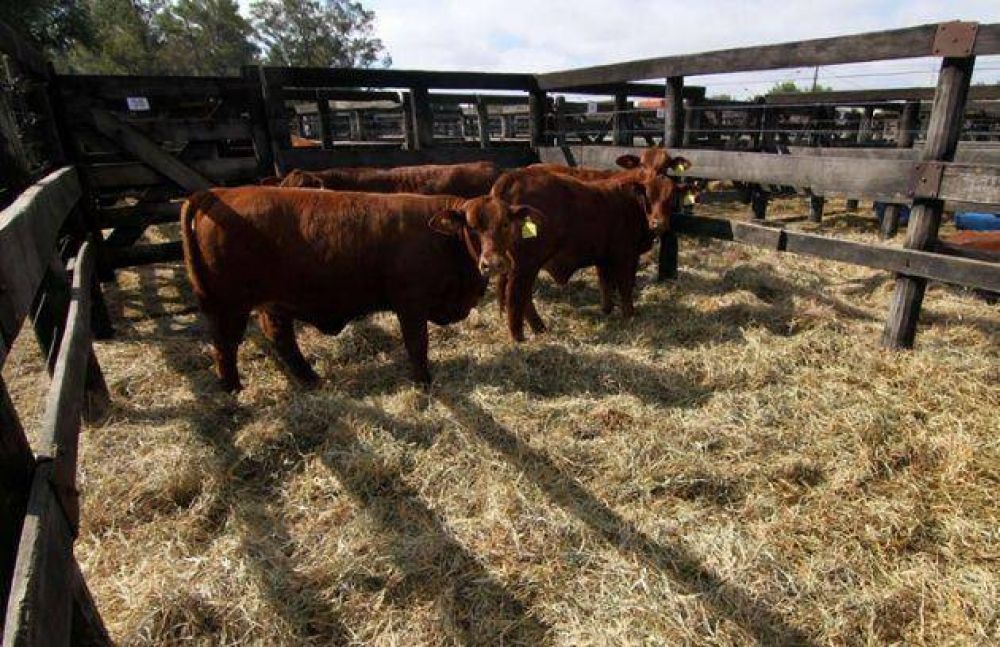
[(956, 38), (925, 181)]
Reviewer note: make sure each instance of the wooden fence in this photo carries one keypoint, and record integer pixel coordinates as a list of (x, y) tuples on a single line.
[(43, 596), (926, 182), (110, 156)]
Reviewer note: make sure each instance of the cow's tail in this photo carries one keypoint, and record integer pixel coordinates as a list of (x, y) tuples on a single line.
[(193, 261)]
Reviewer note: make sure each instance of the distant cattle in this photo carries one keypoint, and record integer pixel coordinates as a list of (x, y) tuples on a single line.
[(605, 223), (305, 142), (464, 180), (327, 258)]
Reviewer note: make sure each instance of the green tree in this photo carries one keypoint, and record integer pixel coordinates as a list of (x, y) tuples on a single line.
[(54, 25), (124, 41), (318, 33), (204, 37), (789, 87)]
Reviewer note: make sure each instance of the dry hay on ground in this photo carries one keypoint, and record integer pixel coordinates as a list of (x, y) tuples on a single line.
[(742, 461)]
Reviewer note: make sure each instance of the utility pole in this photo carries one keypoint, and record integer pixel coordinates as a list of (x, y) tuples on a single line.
[(815, 78)]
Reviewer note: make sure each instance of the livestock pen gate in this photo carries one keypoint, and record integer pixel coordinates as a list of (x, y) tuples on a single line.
[(90, 162)]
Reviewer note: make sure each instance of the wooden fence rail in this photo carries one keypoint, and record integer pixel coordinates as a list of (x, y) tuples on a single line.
[(43, 597)]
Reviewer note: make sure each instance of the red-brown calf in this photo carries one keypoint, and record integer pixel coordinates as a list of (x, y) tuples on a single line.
[(327, 258), (604, 223)]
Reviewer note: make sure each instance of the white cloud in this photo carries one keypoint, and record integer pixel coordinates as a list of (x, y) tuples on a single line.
[(547, 35)]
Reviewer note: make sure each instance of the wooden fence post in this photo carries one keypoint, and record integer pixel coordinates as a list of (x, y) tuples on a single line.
[(673, 112), (816, 203), (865, 125), (537, 105), (260, 128), (909, 122), (758, 202), (673, 123), (692, 121), (620, 121), (483, 121), (423, 118), (325, 125), (272, 81), (560, 121), (942, 140)]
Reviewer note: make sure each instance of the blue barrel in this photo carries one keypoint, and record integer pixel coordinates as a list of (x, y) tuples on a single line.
[(977, 221)]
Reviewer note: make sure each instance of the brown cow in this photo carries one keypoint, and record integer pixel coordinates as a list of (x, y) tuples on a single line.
[(657, 159), (980, 245), (465, 180), (304, 142), (327, 258), (605, 223)]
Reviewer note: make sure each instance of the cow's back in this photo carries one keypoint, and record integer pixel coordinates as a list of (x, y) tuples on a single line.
[(326, 257)]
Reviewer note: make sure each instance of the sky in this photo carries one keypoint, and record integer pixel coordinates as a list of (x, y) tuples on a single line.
[(550, 35)]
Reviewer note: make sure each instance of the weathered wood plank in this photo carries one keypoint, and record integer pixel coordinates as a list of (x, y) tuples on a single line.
[(856, 177), (325, 94), (186, 130), (845, 97), (154, 87), (911, 42), (968, 153), (510, 157), (145, 254), (17, 465), (967, 183), (225, 170), (335, 77), (149, 152), (68, 400), (28, 231), (929, 265), (39, 611)]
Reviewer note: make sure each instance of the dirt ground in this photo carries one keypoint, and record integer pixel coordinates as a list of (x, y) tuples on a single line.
[(741, 462)]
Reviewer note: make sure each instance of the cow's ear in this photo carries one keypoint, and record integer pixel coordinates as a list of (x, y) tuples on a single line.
[(627, 161), (448, 222)]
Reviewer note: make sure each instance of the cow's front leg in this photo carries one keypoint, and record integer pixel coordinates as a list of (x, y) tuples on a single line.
[(414, 329)]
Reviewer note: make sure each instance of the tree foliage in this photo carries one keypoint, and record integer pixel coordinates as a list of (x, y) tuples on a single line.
[(207, 37), (318, 33), (54, 24), (789, 87), (199, 37)]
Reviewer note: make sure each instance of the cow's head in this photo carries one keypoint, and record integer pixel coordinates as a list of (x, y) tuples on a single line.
[(656, 195), (656, 159), (299, 179), (489, 228)]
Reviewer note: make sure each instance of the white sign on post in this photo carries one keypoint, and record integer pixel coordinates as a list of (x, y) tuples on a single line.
[(137, 103)]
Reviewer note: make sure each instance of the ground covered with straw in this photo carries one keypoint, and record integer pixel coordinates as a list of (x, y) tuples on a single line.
[(742, 462)]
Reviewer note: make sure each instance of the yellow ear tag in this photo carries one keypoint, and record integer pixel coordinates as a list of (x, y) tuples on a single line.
[(689, 198), (681, 168), (529, 229)]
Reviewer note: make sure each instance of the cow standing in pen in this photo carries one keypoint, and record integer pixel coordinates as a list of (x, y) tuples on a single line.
[(606, 223), (327, 258), (464, 180)]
